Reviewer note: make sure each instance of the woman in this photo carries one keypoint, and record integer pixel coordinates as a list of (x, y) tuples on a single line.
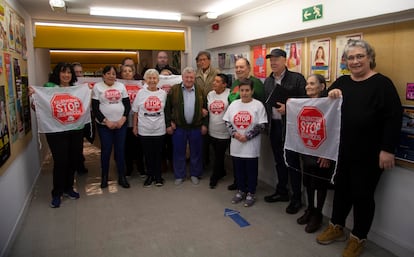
[(317, 171), (111, 105), (66, 146), (370, 129), (217, 103), (245, 118), (293, 61), (133, 148), (149, 125), (320, 57)]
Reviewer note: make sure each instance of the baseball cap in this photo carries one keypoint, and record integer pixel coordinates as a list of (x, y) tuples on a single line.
[(276, 53)]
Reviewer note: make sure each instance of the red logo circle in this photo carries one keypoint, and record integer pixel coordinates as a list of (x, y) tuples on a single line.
[(153, 104), (217, 107), (66, 108), (242, 119), (311, 127)]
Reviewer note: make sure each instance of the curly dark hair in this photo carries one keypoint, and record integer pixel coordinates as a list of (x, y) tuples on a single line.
[(62, 66)]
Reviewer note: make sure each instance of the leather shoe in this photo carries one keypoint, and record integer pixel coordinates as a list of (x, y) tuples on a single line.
[(276, 197), (123, 182), (294, 207), (232, 187)]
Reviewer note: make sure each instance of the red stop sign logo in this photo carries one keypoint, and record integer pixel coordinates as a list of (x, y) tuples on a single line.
[(66, 108), (311, 127)]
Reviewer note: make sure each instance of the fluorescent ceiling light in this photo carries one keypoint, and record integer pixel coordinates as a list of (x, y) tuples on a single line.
[(93, 52), (130, 13), (212, 15), (226, 6), (57, 3), (68, 25)]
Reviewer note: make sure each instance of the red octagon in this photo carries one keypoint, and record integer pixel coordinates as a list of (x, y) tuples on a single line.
[(311, 127), (66, 108)]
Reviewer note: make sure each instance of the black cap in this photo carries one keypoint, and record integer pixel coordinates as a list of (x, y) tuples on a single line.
[(276, 53)]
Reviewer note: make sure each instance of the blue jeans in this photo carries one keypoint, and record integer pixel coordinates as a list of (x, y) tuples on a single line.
[(179, 139), (109, 138)]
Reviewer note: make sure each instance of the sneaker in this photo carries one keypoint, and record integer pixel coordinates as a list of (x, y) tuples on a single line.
[(55, 202), (195, 180), (331, 234), (354, 247), (304, 219), (238, 197), (250, 199), (71, 195), (178, 181), (159, 182), (148, 181)]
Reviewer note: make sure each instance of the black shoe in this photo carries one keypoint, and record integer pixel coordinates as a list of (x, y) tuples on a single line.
[(315, 222), (104, 181), (232, 187), (148, 181), (304, 219), (123, 182), (294, 207), (159, 182), (213, 184), (276, 197)]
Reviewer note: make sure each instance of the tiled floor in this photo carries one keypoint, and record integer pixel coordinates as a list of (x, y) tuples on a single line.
[(168, 221)]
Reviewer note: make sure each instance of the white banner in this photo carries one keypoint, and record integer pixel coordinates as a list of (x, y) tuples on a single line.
[(313, 126), (62, 108), (166, 82)]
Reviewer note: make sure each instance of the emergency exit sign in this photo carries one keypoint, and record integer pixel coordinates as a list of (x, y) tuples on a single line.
[(312, 13)]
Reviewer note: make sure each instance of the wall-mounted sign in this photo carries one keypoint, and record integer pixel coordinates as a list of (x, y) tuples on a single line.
[(312, 13)]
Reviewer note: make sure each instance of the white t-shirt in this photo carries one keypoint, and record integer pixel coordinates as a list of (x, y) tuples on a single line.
[(150, 108), (217, 106), (110, 99), (243, 117)]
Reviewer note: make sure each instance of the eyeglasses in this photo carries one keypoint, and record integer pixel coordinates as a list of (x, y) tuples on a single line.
[(358, 57)]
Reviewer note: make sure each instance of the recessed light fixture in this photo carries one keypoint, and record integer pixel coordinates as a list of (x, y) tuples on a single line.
[(57, 4), (131, 13)]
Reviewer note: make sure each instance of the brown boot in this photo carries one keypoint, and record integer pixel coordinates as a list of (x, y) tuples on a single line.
[(315, 221)]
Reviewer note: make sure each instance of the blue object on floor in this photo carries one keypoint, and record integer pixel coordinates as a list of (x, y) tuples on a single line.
[(235, 216)]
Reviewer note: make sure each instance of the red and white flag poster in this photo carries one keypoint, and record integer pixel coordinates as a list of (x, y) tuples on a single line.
[(313, 126), (259, 58), (62, 108)]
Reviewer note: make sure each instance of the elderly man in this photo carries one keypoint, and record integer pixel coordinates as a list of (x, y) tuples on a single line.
[(187, 123), (279, 86), (243, 69), (162, 63)]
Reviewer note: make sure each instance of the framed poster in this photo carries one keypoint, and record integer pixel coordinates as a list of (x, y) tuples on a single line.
[(405, 148), (320, 58)]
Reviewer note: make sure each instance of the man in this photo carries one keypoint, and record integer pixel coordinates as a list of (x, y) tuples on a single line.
[(243, 69), (78, 69), (162, 63), (279, 86), (130, 62), (205, 76), (187, 123)]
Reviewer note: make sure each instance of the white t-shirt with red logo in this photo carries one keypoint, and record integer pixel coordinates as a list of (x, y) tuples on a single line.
[(243, 117), (150, 108), (217, 106), (110, 99)]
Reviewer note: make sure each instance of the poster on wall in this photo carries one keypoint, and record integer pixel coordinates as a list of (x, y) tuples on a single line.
[(293, 52), (405, 148), (320, 53), (341, 41), (259, 61), (4, 129)]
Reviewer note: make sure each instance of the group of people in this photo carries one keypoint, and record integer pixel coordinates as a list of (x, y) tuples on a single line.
[(204, 110)]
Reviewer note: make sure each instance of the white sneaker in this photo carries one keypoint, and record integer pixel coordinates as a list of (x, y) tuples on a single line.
[(178, 181), (195, 180)]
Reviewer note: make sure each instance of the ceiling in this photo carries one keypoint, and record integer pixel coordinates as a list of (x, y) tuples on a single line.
[(78, 10)]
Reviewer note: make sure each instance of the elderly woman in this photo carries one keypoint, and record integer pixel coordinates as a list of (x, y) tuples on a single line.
[(111, 105), (317, 171), (149, 125), (370, 129), (217, 103)]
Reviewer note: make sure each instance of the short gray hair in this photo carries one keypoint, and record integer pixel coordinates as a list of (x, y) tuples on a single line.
[(188, 70), (364, 45), (150, 72)]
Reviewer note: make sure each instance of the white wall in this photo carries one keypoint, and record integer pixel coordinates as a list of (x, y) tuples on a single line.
[(393, 224), (17, 182)]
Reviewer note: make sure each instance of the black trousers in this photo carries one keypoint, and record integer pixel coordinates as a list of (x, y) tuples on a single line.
[(355, 186), (66, 148), (219, 147), (153, 154)]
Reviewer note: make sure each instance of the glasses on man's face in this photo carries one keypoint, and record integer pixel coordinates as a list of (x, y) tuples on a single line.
[(358, 57)]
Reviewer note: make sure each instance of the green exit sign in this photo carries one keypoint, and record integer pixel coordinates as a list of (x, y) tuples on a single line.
[(312, 13)]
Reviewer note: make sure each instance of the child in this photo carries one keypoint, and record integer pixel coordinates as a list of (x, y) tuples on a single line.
[(245, 118)]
